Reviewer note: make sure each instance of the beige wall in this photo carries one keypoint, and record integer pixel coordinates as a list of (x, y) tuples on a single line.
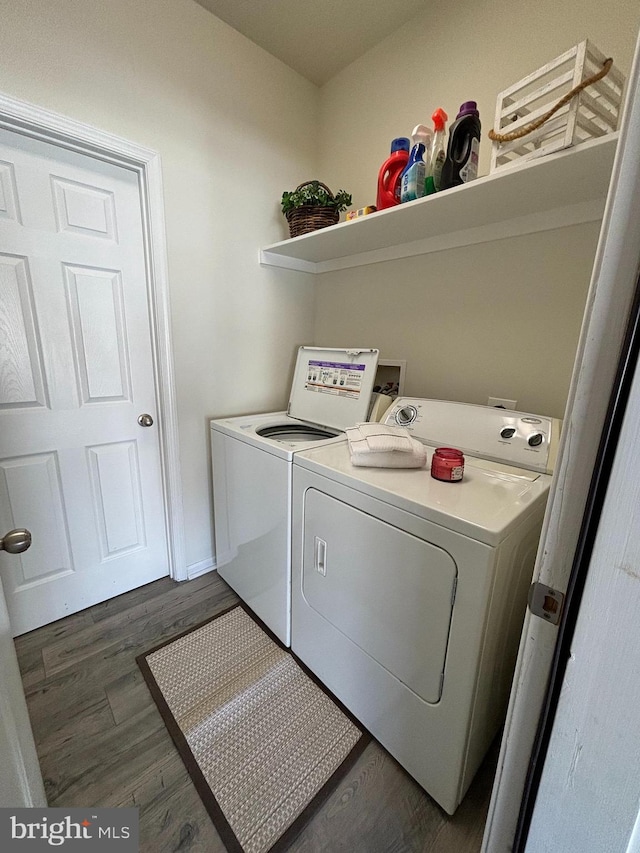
[(229, 122), (496, 320)]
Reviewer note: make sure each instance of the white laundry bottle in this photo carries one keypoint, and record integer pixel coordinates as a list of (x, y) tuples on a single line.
[(438, 152)]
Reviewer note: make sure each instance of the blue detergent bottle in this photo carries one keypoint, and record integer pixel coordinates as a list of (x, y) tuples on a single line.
[(412, 179)]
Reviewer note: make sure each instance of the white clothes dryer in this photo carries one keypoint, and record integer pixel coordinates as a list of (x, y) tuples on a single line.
[(252, 457), (409, 593)]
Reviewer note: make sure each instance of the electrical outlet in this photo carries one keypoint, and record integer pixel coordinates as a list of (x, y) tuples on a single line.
[(499, 403)]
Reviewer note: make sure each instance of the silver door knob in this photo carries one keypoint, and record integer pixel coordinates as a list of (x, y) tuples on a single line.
[(16, 541), (145, 420)]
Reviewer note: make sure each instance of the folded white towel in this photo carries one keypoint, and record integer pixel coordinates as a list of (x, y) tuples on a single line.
[(379, 438), (380, 446), (391, 459)]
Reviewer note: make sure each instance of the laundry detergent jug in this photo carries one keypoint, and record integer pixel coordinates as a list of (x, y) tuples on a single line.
[(391, 172), (461, 163)]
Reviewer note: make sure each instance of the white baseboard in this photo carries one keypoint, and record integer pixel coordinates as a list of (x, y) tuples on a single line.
[(201, 568)]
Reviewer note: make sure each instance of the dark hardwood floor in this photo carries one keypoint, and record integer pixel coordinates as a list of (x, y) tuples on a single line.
[(101, 741)]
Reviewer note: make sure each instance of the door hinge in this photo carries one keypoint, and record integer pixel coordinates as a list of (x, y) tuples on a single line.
[(546, 602)]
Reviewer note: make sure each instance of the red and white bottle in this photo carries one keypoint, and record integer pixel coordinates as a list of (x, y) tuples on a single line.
[(391, 172)]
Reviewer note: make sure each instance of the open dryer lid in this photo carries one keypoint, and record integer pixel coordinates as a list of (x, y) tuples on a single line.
[(332, 387)]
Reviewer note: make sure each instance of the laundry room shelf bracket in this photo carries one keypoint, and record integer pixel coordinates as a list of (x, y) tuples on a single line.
[(565, 188)]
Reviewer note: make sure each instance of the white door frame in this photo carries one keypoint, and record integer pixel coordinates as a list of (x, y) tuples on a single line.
[(607, 313), (37, 123)]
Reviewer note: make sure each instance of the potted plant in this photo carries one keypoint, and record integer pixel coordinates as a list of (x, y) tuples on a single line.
[(312, 205)]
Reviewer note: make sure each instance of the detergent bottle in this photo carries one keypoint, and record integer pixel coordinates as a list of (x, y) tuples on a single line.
[(461, 163), (412, 178), (390, 173), (433, 180)]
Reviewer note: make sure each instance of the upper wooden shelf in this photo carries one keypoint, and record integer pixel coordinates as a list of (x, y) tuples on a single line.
[(556, 190)]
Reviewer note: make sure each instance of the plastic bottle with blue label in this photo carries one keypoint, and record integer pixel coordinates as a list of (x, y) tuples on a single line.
[(412, 179), (461, 164)]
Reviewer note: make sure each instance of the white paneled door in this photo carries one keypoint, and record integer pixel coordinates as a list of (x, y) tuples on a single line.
[(76, 372)]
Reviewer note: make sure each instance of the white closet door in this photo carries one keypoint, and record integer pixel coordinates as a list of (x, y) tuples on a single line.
[(76, 371)]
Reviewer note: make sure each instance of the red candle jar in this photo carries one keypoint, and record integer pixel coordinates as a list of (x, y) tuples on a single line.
[(447, 464)]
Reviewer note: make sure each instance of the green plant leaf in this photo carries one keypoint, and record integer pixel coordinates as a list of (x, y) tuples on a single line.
[(312, 194)]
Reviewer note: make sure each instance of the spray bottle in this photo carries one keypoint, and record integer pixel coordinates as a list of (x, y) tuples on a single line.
[(391, 172), (438, 152), (412, 179)]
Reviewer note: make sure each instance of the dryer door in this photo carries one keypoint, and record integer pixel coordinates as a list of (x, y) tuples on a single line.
[(388, 591)]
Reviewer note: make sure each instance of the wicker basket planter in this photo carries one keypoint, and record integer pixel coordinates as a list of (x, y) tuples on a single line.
[(303, 215), (304, 219)]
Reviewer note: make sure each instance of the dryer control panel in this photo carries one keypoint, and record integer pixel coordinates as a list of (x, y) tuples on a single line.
[(515, 438)]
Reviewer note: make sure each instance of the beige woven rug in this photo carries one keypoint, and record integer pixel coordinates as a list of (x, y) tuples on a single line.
[(263, 742)]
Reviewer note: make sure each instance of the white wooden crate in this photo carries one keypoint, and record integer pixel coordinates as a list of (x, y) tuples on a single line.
[(594, 112)]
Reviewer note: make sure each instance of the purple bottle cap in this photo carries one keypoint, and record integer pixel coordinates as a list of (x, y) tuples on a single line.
[(468, 108)]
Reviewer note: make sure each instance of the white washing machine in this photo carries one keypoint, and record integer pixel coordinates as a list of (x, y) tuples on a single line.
[(252, 457), (409, 593)]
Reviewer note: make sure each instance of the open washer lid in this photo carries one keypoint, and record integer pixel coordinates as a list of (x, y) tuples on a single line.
[(332, 387)]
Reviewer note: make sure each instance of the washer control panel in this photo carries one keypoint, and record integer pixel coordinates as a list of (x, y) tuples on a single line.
[(514, 438)]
